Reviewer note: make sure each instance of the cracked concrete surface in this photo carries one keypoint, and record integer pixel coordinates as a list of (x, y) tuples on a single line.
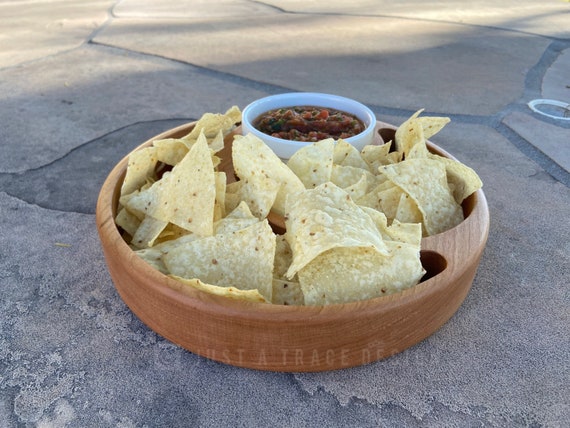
[(83, 83)]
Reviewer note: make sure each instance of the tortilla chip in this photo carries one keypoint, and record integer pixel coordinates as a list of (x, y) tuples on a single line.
[(232, 200), (313, 163), (217, 143), (407, 210), (147, 232), (432, 125), (127, 221), (240, 218), (170, 150), (346, 154), (242, 211), (241, 259), (184, 196), (342, 275), (184, 285), (353, 180), (283, 257), (409, 135), (376, 155), (287, 292), (425, 181), (140, 167), (153, 257), (220, 199), (345, 176), (385, 197), (260, 194), (323, 218), (408, 233), (462, 180), (350, 274), (212, 123), (170, 232), (394, 157), (380, 220), (255, 162)]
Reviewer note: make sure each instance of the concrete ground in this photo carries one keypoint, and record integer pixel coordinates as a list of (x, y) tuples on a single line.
[(83, 83)]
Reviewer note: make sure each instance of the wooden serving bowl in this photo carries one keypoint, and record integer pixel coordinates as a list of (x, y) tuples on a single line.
[(295, 338)]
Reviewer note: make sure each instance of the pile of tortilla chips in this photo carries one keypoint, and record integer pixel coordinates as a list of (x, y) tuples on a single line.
[(354, 220)]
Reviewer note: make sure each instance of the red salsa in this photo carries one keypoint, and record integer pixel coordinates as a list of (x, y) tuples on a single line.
[(307, 123)]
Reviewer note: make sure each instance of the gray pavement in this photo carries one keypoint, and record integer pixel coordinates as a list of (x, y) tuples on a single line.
[(83, 83)]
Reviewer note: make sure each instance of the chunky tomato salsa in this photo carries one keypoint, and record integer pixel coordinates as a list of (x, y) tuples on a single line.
[(307, 123)]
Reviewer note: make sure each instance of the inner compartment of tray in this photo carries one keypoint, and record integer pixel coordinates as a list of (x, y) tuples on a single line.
[(433, 262)]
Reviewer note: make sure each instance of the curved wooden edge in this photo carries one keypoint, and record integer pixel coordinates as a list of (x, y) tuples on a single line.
[(287, 338)]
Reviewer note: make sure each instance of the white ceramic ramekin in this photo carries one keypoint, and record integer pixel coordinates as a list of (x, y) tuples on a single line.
[(286, 148)]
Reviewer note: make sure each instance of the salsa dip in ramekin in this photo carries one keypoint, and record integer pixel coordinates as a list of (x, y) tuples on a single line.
[(314, 109)]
